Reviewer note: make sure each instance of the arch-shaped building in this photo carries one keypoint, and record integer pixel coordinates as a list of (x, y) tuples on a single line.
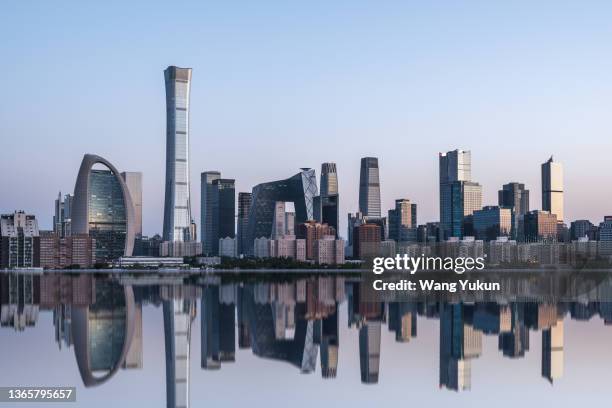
[(103, 208)]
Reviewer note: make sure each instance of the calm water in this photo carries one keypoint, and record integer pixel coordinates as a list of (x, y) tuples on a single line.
[(311, 340)]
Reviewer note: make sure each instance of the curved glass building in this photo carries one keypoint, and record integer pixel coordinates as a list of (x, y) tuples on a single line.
[(102, 208), (299, 189), (177, 206)]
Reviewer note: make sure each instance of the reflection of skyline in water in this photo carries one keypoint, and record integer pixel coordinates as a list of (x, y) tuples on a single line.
[(292, 322)]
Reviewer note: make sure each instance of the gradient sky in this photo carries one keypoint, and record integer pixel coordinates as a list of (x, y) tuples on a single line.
[(282, 85)]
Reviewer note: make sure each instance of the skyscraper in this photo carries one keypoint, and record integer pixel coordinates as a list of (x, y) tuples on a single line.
[(369, 188), (330, 199), (552, 188), (133, 181), (402, 221), (207, 211), (177, 206), (62, 219), (516, 197), (102, 208), (224, 208), (244, 203), (459, 196)]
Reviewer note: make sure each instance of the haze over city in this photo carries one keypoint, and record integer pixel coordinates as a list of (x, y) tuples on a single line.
[(277, 87)]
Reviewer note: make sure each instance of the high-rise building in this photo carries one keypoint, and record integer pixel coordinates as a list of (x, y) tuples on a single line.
[(515, 197), (244, 204), (133, 181), (583, 228), (19, 241), (328, 251), (369, 188), (278, 224), (552, 188), (62, 218), (605, 237), (225, 208), (299, 189), (289, 223), (102, 208), (458, 195), (402, 221), (57, 252), (207, 211), (366, 241), (492, 222), (177, 206), (539, 226), (330, 198)]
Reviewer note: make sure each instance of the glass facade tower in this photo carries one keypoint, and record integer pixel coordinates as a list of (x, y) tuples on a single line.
[(369, 188), (177, 206), (552, 188)]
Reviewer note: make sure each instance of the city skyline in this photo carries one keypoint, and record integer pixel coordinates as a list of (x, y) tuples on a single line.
[(531, 97)]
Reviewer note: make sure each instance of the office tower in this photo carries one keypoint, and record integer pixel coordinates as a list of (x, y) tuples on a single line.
[(466, 197), (19, 241), (177, 206), (605, 237), (330, 198), (102, 208), (516, 197), (366, 241), (224, 208), (539, 226), (299, 189), (552, 352), (429, 232), (207, 211), (313, 231), (369, 188), (278, 225), (354, 220), (552, 188), (133, 181), (402, 221), (178, 317), (492, 222), (62, 219), (244, 204), (369, 352), (583, 228), (289, 223), (455, 170)]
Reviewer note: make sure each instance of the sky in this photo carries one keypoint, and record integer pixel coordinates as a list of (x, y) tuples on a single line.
[(281, 85)]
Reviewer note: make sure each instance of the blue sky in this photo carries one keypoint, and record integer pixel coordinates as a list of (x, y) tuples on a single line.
[(283, 85)]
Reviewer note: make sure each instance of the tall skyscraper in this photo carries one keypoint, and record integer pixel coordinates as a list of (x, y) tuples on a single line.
[(133, 181), (207, 211), (552, 188), (177, 206), (459, 196), (330, 199), (224, 208), (244, 205), (402, 221), (369, 188)]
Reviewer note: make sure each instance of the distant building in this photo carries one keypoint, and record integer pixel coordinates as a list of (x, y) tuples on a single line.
[(605, 237), (330, 198), (540, 226), (369, 187), (180, 248), (402, 221), (369, 352), (244, 204), (583, 228), (148, 262), (366, 241), (289, 223), (299, 189), (77, 250), (429, 232), (313, 231), (515, 197), (62, 218), (455, 167), (228, 247), (147, 246), (133, 181), (102, 208), (328, 251), (207, 211), (287, 247), (552, 188), (492, 222), (261, 247), (19, 241), (502, 251)]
